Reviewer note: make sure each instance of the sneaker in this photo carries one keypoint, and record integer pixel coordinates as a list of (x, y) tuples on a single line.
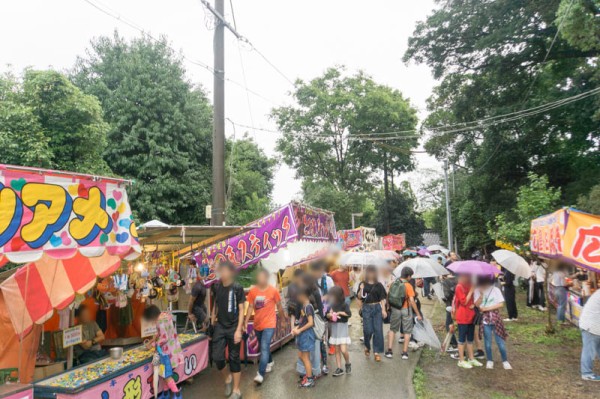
[(506, 366), (479, 354), (389, 354), (307, 382), (590, 377), (464, 365), (507, 320), (362, 339), (348, 368), (338, 372), (236, 395), (325, 370), (543, 309), (400, 340), (475, 362), (489, 365), (455, 356), (515, 319), (301, 377), (270, 367), (259, 378), (229, 388), (331, 350), (404, 355)]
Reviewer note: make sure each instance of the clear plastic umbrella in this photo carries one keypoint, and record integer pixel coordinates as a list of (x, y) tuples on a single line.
[(512, 262), (422, 268), (362, 259)]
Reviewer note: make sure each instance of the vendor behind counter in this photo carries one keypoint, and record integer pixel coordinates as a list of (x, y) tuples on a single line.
[(89, 350)]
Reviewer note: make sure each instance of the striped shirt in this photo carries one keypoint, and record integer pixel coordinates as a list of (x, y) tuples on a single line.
[(590, 315)]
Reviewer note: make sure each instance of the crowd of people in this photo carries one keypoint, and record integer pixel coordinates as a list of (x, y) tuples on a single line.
[(318, 308)]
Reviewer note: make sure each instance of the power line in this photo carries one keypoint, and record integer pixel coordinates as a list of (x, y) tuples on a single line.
[(242, 38), (119, 17)]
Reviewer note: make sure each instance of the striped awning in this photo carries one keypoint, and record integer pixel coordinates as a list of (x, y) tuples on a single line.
[(37, 289)]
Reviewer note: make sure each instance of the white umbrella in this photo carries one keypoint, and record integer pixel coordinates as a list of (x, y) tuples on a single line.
[(361, 259), (436, 247), (512, 262), (422, 267), (386, 255)]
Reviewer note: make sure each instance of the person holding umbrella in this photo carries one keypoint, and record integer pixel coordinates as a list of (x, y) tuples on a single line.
[(464, 313)]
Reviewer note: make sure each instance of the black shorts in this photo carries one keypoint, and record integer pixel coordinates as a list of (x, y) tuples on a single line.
[(222, 339)]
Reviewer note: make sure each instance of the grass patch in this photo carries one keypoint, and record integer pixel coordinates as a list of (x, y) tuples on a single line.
[(497, 395), (419, 384)]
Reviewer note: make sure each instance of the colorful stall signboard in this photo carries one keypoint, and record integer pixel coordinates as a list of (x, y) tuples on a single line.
[(290, 223), (394, 242), (44, 211), (72, 336), (351, 238), (117, 380), (570, 235), (369, 236)]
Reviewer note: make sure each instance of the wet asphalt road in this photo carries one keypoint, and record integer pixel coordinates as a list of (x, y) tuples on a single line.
[(391, 378)]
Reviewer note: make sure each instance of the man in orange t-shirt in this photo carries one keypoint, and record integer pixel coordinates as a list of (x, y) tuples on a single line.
[(341, 278), (264, 300)]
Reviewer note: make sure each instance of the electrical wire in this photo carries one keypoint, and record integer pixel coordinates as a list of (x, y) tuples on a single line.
[(119, 17)]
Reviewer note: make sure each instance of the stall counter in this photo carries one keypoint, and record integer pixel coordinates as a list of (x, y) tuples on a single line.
[(16, 391), (127, 378), (283, 335)]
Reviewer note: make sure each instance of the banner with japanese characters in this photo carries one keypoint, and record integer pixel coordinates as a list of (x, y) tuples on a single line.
[(394, 242), (57, 213), (291, 223), (271, 233), (351, 238), (568, 234)]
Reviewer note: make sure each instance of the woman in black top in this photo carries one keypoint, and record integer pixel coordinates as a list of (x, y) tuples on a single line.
[(371, 298)]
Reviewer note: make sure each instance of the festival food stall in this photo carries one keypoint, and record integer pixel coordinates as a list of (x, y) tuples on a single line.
[(290, 236), (570, 237), (76, 236)]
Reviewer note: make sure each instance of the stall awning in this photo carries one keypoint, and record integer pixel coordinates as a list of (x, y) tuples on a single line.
[(570, 235), (158, 236), (303, 231)]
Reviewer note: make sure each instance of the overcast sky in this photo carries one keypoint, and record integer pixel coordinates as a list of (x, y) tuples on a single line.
[(301, 37)]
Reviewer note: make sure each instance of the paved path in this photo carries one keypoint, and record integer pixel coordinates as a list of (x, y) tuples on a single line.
[(392, 378)]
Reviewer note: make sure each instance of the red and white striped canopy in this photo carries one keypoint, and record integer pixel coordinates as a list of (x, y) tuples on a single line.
[(36, 289)]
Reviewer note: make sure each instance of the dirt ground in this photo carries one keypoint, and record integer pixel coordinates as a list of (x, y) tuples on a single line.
[(544, 366)]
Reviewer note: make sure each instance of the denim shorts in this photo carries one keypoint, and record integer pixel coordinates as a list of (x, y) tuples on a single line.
[(466, 333), (306, 341)]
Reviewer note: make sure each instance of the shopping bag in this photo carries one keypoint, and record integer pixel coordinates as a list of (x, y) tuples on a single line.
[(423, 332)]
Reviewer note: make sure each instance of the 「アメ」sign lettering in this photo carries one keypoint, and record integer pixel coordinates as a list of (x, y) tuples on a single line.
[(59, 214)]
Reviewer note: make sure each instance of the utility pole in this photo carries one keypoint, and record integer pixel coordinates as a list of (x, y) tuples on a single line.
[(448, 212), (218, 164)]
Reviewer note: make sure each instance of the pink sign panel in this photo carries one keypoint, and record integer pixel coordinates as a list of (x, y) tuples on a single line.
[(136, 383), (23, 394)]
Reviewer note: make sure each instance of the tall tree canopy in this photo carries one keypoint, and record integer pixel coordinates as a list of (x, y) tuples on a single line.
[(249, 176), (46, 121), (325, 137), (160, 125), (496, 57)]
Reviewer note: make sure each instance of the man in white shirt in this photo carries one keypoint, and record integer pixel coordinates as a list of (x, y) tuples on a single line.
[(560, 292), (589, 323), (538, 273)]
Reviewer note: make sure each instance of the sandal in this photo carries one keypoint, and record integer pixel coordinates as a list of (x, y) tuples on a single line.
[(367, 353), (377, 357)]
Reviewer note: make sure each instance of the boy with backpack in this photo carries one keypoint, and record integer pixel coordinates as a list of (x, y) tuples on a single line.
[(401, 298)]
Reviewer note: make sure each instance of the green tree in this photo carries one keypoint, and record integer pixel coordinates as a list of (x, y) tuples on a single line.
[(160, 125), (250, 174), (591, 202), (580, 23), (325, 135), (402, 216), (533, 200), (492, 58), (46, 121)]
